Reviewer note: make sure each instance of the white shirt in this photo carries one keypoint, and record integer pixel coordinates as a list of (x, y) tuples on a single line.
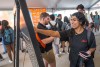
[(88, 17), (53, 23)]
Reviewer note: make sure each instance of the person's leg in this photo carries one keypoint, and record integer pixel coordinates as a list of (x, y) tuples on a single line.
[(12, 48), (95, 29), (4, 47), (46, 63), (1, 56), (89, 63), (95, 26), (98, 27), (71, 65), (50, 58), (9, 51), (53, 64), (56, 47), (63, 46), (44, 55)]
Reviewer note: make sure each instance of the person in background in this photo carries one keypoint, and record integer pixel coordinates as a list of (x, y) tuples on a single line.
[(92, 24), (54, 26), (96, 21), (88, 22), (65, 26), (47, 52), (59, 21), (8, 37), (1, 37), (1, 58)]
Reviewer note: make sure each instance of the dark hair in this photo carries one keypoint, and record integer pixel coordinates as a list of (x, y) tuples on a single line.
[(66, 19), (59, 15), (0, 22), (96, 12), (52, 16), (43, 15), (81, 17), (5, 23), (80, 6)]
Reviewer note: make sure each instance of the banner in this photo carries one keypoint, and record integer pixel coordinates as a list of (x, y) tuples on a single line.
[(35, 12)]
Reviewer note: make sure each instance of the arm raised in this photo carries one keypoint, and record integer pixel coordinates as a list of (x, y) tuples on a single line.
[(48, 32)]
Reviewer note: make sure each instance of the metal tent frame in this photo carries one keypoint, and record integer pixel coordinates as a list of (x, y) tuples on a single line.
[(36, 59)]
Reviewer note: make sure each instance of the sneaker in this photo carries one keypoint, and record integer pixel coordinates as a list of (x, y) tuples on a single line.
[(67, 52), (63, 52), (58, 55), (10, 61)]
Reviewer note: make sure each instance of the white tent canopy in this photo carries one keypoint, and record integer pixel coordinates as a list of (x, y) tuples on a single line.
[(67, 4)]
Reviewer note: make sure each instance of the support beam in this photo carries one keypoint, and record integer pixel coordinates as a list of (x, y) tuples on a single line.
[(93, 4), (16, 64), (95, 8), (35, 54)]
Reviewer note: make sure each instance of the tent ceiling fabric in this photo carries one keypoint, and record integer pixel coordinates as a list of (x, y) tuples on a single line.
[(74, 3), (9, 4), (59, 3), (6, 4)]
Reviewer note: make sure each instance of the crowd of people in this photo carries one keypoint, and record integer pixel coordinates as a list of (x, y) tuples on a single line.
[(53, 31), (77, 32)]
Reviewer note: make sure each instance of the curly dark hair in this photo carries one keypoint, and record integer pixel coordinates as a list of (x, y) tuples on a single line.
[(81, 17)]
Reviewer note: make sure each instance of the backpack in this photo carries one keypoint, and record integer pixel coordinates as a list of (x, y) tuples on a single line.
[(53, 27), (8, 36), (60, 23), (66, 26)]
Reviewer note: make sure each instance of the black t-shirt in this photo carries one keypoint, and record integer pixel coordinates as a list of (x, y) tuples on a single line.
[(78, 43), (49, 45)]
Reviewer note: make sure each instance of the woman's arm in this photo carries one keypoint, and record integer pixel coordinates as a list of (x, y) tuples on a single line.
[(47, 40), (91, 50), (47, 32), (92, 44)]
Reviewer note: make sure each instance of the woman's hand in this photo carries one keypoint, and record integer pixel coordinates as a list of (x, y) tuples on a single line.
[(85, 55), (88, 52)]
